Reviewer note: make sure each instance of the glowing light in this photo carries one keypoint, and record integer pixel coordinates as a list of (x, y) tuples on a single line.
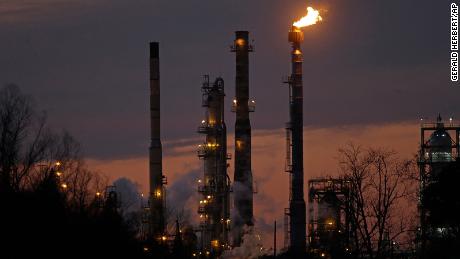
[(239, 144), (203, 122), (158, 193), (234, 101), (58, 173), (58, 163), (209, 196), (64, 186), (98, 194), (163, 238), (311, 18), (215, 243)]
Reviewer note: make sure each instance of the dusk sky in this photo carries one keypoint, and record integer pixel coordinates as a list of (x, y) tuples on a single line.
[(86, 63), (371, 70)]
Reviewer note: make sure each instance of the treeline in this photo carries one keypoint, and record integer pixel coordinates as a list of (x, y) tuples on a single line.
[(52, 204)]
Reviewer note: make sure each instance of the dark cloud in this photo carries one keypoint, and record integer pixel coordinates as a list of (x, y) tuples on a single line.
[(86, 63)]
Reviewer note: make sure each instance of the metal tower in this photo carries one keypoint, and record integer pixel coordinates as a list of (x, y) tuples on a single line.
[(214, 208), (243, 183), (329, 203), (436, 153), (296, 212), (156, 178)]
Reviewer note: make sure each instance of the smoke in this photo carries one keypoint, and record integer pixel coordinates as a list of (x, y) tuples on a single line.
[(240, 192), (182, 198), (264, 228), (129, 195), (131, 202), (251, 246)]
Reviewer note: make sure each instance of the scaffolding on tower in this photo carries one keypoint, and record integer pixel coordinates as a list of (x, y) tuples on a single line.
[(214, 187)]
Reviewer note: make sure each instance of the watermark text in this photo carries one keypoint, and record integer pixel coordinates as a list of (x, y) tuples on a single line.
[(454, 42)]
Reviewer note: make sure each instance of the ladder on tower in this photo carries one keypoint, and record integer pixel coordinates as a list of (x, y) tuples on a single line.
[(287, 230), (288, 162)]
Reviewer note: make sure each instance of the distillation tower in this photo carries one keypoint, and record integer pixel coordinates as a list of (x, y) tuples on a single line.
[(214, 187), (329, 230), (437, 153), (243, 184), (156, 178)]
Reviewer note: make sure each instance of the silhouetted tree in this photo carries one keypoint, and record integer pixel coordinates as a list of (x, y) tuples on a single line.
[(380, 187), (52, 203), (24, 138)]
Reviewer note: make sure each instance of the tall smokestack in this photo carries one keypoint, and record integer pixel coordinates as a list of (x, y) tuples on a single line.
[(297, 223), (242, 188), (156, 178)]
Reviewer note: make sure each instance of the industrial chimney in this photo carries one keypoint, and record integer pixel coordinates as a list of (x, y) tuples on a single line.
[(242, 186), (297, 209), (156, 178)]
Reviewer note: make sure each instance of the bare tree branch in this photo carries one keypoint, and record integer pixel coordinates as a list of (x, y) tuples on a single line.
[(380, 183)]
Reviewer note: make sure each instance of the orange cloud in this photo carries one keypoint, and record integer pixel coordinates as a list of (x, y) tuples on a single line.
[(268, 160)]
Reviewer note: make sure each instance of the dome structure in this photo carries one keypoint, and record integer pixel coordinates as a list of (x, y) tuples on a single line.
[(440, 146), (440, 141)]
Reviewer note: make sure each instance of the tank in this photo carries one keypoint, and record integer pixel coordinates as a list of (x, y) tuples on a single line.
[(440, 146)]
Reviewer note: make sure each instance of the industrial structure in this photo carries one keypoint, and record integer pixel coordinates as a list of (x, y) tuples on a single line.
[(440, 151), (243, 183), (156, 178), (294, 157), (214, 187), (329, 218)]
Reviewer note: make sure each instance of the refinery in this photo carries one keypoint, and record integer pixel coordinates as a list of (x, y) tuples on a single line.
[(377, 205), (326, 226)]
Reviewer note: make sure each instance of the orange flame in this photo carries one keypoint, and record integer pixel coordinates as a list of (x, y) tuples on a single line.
[(311, 18)]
